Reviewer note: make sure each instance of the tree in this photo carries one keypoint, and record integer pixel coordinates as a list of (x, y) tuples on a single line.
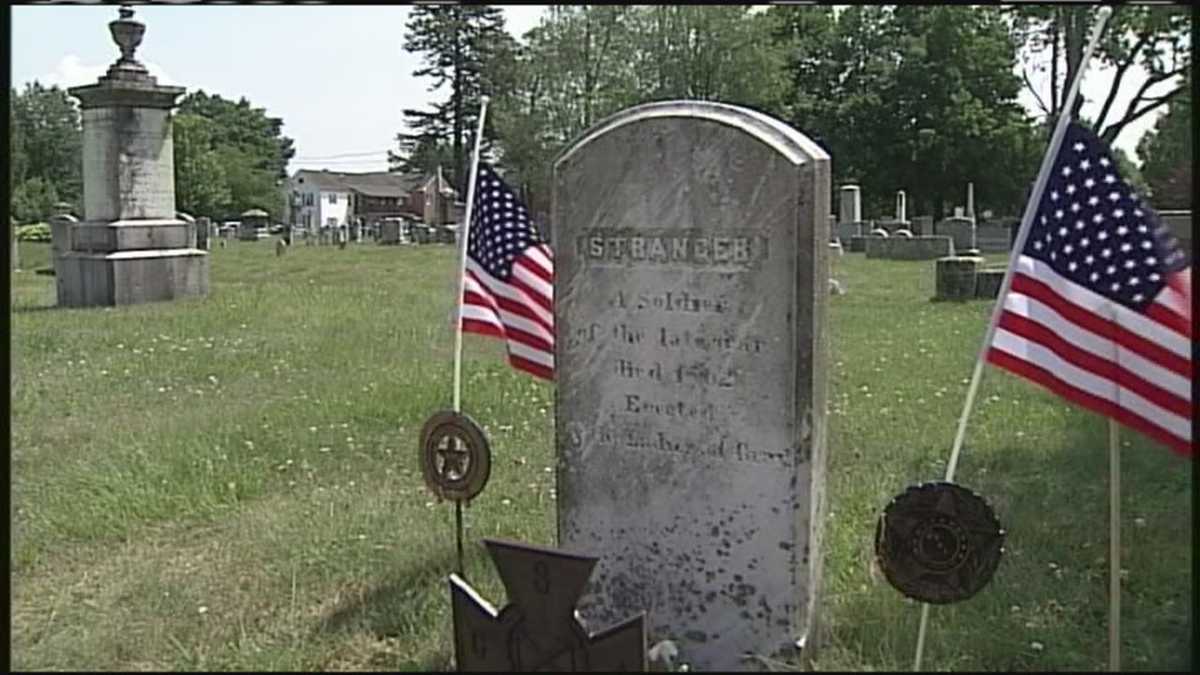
[(1155, 39), (33, 200), (229, 157), (201, 184), (919, 98), (47, 145), (707, 52), (1166, 152), (583, 63), (467, 48)]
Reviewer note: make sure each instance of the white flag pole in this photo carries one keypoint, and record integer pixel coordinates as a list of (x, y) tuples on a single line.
[(1035, 197), (1114, 548), (464, 231)]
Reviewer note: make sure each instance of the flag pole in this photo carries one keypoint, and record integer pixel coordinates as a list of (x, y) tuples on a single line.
[(464, 231), (1060, 130), (1114, 548)]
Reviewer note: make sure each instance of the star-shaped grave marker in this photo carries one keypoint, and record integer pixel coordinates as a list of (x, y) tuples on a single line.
[(539, 630)]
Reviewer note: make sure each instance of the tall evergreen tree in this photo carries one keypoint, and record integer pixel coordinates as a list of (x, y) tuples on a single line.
[(467, 49)]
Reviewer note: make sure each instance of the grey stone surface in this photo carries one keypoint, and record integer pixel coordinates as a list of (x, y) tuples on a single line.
[(691, 283), (203, 234), (389, 232), (922, 225), (903, 232), (132, 246), (850, 206), (1179, 221), (879, 232), (858, 244), (901, 206), (130, 277), (988, 282), (900, 247), (957, 228), (844, 231), (955, 277)]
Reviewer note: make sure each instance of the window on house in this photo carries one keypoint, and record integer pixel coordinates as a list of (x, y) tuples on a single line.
[(308, 199), (332, 197)]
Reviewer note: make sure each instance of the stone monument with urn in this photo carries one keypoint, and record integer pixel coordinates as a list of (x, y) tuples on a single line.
[(130, 247)]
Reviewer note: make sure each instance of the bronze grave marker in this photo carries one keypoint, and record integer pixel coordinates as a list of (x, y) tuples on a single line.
[(539, 630)]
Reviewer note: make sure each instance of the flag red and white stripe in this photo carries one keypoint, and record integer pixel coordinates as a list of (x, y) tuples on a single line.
[(1100, 313), (508, 291)]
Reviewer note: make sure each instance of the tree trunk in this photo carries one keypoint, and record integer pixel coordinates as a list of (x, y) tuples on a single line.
[(1074, 45), (1055, 32), (457, 98)]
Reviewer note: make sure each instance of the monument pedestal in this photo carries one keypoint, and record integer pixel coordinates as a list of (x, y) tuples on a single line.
[(131, 277), (131, 247)]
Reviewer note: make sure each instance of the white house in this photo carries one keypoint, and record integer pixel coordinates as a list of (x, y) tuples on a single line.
[(319, 198)]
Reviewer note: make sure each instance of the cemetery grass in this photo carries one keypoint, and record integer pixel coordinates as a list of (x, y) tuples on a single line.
[(231, 483)]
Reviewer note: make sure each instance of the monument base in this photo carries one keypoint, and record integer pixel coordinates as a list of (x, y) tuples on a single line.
[(131, 277)]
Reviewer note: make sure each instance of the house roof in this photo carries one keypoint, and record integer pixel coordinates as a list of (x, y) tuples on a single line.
[(371, 184)]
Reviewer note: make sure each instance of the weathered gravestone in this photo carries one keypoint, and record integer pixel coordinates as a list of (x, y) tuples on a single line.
[(690, 291)]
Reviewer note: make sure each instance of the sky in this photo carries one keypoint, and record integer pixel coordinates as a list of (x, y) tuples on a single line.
[(338, 76)]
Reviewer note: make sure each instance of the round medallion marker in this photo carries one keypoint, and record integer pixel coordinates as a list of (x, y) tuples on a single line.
[(456, 459), (938, 543)]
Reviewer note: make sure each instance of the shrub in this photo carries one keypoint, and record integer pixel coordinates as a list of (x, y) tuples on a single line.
[(35, 232)]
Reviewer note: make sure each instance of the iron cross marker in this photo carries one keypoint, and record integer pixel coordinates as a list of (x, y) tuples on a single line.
[(539, 630)]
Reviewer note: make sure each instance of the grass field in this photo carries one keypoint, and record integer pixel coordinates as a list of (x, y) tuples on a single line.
[(231, 483)]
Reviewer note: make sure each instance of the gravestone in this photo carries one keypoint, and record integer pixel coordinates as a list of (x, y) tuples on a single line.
[(691, 282), (203, 230), (850, 210), (131, 246), (988, 282), (901, 206), (955, 277)]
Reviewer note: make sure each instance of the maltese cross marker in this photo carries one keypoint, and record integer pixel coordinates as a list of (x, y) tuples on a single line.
[(539, 630)]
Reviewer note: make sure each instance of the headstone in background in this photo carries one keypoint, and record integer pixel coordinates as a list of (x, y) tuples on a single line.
[(988, 282), (203, 230), (1179, 221), (389, 232), (850, 210), (958, 212), (901, 247), (922, 225), (955, 277), (957, 228), (901, 206), (131, 247), (691, 280)]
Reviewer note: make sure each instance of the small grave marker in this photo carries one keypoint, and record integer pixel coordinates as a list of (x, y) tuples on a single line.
[(539, 630)]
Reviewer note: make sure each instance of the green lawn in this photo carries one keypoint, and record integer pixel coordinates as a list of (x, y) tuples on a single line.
[(231, 483)]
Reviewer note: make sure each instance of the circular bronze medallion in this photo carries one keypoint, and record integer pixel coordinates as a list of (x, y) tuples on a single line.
[(456, 460), (938, 543)]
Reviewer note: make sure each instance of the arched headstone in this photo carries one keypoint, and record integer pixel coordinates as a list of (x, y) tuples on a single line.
[(691, 283)]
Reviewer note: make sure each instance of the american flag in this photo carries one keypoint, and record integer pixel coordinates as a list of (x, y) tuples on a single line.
[(509, 287), (1099, 309)]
